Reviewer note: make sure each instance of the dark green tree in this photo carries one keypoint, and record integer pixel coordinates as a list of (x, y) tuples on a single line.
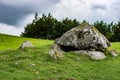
[(67, 24), (116, 32), (48, 27), (105, 29)]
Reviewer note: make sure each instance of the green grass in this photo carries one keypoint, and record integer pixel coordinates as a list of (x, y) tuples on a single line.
[(13, 42), (18, 65)]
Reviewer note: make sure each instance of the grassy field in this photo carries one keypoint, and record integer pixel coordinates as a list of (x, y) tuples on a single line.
[(36, 64), (12, 42)]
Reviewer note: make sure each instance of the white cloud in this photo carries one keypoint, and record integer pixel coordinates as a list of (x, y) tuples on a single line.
[(82, 10), (90, 10), (12, 30), (21, 2), (16, 30), (25, 20), (30, 4)]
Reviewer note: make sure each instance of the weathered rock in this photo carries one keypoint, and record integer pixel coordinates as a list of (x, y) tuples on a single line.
[(114, 53), (57, 47), (95, 55), (55, 54), (25, 44), (83, 37)]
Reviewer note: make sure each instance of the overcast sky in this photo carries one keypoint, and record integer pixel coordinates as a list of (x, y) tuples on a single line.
[(15, 14)]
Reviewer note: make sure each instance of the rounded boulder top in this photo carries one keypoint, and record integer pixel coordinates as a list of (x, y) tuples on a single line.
[(83, 37)]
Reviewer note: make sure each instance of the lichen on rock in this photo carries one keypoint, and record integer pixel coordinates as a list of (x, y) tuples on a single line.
[(85, 39)]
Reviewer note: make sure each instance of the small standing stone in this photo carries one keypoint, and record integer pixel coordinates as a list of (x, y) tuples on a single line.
[(114, 53), (25, 44), (32, 65), (57, 47), (55, 54)]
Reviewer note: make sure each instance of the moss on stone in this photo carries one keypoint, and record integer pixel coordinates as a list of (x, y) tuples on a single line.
[(95, 30), (83, 25)]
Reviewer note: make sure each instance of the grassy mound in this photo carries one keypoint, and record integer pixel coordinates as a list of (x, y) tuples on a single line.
[(36, 64), (13, 42)]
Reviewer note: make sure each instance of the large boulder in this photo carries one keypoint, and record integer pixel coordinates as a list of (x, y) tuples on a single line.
[(83, 37)]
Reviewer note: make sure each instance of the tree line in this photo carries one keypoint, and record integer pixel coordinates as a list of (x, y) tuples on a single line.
[(48, 27)]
